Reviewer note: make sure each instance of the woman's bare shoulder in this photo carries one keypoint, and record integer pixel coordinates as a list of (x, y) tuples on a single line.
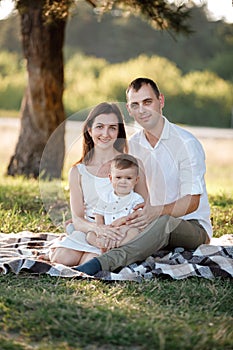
[(73, 173)]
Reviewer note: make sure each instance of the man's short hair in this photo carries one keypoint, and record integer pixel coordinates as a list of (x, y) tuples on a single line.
[(139, 82)]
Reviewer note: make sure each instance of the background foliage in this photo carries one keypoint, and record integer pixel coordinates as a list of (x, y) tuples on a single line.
[(194, 72), (197, 98)]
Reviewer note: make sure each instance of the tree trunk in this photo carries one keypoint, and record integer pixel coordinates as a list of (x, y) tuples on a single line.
[(42, 108)]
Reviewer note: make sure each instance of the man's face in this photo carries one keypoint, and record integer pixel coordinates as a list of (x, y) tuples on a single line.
[(145, 107)]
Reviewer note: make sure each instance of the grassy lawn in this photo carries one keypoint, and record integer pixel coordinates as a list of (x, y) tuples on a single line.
[(46, 313)]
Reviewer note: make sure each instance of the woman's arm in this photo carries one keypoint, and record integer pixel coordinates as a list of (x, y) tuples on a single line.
[(77, 201), (78, 210)]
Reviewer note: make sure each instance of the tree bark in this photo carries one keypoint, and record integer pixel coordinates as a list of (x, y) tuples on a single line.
[(42, 109)]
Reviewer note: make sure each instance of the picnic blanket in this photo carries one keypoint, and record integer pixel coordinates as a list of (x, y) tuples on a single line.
[(19, 252)]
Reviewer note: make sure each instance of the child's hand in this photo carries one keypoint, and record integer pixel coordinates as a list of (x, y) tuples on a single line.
[(139, 206), (119, 222)]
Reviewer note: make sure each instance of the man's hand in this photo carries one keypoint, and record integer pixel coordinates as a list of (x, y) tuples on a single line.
[(178, 208), (142, 218)]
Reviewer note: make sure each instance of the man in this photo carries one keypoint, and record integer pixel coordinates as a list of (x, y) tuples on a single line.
[(177, 213)]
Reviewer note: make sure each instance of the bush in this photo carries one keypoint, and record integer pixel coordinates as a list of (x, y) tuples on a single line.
[(222, 65), (10, 64), (81, 76), (115, 78), (12, 81), (197, 98), (11, 91), (209, 97)]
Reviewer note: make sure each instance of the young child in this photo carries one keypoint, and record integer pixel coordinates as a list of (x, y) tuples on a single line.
[(113, 208)]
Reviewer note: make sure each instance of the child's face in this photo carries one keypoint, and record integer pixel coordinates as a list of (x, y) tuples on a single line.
[(123, 180)]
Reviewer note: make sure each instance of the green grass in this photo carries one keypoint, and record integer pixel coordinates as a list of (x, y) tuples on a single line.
[(219, 177), (46, 313), (56, 313), (21, 207)]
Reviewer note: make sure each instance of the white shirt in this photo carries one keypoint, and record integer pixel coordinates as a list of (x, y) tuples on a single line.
[(113, 207), (175, 167)]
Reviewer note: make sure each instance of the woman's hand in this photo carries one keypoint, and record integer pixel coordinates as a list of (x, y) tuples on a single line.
[(103, 243), (106, 231)]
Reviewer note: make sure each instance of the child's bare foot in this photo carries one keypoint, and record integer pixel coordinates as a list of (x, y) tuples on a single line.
[(95, 241), (91, 238)]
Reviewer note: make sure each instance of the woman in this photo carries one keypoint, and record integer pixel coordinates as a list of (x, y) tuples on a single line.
[(104, 137)]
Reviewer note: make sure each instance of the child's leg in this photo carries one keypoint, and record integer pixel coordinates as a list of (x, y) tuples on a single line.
[(131, 233)]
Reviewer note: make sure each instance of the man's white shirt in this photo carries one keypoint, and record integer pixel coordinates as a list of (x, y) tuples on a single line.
[(175, 167)]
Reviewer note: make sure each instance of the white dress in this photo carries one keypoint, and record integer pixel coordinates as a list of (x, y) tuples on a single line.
[(93, 188)]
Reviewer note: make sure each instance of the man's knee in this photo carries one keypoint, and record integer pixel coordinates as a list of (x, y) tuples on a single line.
[(164, 219), (169, 223), (166, 223)]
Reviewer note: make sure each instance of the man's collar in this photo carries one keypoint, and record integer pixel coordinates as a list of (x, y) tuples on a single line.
[(164, 135), (165, 132)]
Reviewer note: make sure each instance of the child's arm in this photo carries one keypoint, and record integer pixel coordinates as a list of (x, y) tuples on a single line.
[(119, 222), (99, 219)]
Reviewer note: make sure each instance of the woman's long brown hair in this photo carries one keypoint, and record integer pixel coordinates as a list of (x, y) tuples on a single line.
[(120, 144)]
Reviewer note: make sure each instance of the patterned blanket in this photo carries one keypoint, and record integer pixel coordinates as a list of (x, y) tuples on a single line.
[(20, 253)]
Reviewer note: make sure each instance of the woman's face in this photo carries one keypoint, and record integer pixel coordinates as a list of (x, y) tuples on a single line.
[(104, 130)]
